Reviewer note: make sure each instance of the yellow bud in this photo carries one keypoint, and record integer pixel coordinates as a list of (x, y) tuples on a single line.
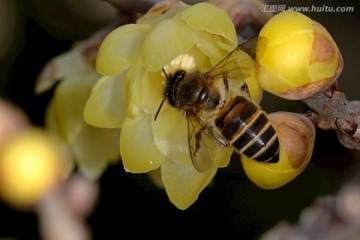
[(296, 57), (296, 135), (30, 166)]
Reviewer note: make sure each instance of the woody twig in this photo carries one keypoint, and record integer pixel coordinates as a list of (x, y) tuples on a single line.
[(331, 110)]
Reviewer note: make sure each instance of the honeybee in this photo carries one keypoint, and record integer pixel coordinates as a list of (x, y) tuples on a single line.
[(217, 103)]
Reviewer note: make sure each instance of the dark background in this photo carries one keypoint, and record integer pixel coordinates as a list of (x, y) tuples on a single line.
[(129, 204)]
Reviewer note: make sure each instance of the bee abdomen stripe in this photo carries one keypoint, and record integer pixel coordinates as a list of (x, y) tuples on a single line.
[(243, 139), (248, 130), (270, 153), (264, 146), (235, 116)]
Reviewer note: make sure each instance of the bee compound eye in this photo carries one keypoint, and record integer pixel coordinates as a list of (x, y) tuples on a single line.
[(203, 95), (179, 75)]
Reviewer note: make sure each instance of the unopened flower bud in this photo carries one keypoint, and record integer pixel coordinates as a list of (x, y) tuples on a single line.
[(296, 57), (296, 135)]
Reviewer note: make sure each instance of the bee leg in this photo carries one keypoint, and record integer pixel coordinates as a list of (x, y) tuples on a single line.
[(218, 136), (226, 84), (244, 88), (198, 138)]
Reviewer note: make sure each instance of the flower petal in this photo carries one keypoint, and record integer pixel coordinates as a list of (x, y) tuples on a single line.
[(325, 53), (162, 11), (194, 17), (283, 52), (68, 103), (169, 39), (183, 184), (52, 125), (106, 105), (144, 90), (120, 49), (68, 63), (296, 134), (222, 156), (209, 45), (94, 148), (249, 68), (189, 61), (152, 85), (171, 135), (138, 150)]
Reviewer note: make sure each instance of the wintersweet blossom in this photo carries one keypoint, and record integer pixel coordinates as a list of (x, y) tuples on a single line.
[(296, 57), (296, 135), (92, 149), (130, 91), (31, 166)]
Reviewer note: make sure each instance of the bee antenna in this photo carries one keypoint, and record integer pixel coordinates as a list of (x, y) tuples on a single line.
[(163, 70), (158, 111)]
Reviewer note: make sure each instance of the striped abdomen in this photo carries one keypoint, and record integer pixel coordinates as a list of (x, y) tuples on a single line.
[(247, 128)]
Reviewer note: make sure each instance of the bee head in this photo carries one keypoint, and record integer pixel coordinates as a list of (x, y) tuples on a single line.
[(172, 82)]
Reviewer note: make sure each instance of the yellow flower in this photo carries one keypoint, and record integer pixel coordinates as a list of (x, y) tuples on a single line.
[(31, 166), (131, 90), (91, 148), (296, 135), (296, 57)]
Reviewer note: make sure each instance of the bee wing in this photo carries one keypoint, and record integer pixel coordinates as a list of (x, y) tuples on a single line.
[(250, 47), (198, 142), (234, 65)]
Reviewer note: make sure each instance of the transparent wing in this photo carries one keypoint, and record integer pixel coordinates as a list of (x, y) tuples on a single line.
[(250, 47), (199, 141), (236, 66)]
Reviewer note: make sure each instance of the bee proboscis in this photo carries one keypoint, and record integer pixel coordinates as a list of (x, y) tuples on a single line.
[(216, 103)]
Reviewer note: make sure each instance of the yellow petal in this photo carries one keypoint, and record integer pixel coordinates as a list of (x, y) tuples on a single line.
[(155, 178), (285, 26), (138, 150), (69, 101), (222, 156), (284, 49), (120, 49), (209, 45), (167, 40), (296, 135), (162, 11), (326, 66), (223, 26), (171, 135), (106, 105), (152, 85), (192, 59), (270, 175), (136, 89), (68, 63), (94, 148), (271, 81), (52, 125), (247, 66), (183, 184)]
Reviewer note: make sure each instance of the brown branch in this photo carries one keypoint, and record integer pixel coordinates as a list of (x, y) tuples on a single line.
[(331, 110)]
